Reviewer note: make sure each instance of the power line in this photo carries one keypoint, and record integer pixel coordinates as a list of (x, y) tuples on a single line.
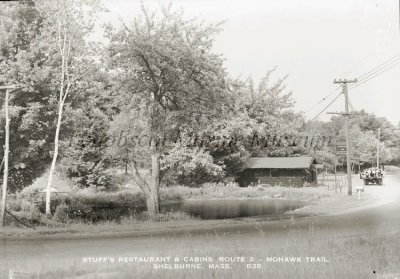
[(371, 73), (322, 100), (375, 74), (378, 73), (384, 64), (366, 79), (380, 69), (337, 97)]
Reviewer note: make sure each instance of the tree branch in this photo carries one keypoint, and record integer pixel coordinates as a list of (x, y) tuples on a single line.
[(139, 180), (152, 75)]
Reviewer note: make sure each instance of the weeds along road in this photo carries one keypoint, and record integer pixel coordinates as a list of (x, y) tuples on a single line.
[(64, 255)]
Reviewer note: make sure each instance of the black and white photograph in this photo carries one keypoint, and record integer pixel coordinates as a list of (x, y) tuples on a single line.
[(200, 139)]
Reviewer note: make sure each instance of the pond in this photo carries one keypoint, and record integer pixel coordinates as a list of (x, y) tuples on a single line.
[(207, 209), (223, 209)]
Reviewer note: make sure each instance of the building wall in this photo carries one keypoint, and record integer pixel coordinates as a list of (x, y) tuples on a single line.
[(273, 177)]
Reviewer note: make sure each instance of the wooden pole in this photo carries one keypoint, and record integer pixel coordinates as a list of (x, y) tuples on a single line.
[(5, 174), (6, 154), (348, 144), (344, 84), (377, 148)]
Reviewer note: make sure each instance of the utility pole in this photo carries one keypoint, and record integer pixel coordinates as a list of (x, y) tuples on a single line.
[(377, 148), (6, 153), (344, 84)]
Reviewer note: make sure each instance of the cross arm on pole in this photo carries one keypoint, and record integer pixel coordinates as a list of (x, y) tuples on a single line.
[(8, 87), (341, 81), (345, 113)]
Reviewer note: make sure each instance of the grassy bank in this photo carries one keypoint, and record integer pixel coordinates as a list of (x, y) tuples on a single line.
[(138, 223), (80, 215), (210, 191)]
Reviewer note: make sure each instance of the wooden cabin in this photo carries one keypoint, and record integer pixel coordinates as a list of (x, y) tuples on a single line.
[(283, 171)]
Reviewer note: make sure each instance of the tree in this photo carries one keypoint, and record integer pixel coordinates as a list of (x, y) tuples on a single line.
[(363, 134), (30, 57), (67, 25), (171, 81), (269, 107), (22, 63), (84, 159)]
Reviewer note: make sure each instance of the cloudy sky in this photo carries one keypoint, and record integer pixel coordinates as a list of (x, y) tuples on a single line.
[(312, 41)]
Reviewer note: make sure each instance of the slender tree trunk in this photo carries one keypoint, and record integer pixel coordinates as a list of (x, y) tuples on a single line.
[(153, 198), (5, 160), (153, 201), (126, 161), (65, 46), (53, 163)]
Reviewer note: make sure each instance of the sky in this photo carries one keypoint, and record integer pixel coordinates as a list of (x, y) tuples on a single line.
[(312, 41)]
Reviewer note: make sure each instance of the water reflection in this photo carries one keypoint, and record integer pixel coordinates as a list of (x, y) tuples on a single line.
[(222, 209)]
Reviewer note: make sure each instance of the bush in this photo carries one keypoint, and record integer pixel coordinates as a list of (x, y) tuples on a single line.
[(26, 206), (61, 214), (109, 198), (34, 214), (31, 212), (170, 196), (15, 204), (172, 216), (54, 203), (30, 192), (80, 212)]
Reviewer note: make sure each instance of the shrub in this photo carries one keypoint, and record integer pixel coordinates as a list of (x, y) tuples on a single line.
[(172, 216), (109, 198), (54, 203), (81, 212), (30, 211), (61, 214), (170, 196), (30, 192), (15, 204), (34, 214), (26, 206)]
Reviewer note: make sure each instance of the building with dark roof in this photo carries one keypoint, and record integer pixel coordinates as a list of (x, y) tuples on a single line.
[(284, 171)]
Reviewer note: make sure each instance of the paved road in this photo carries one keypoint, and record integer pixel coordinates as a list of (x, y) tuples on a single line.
[(40, 256)]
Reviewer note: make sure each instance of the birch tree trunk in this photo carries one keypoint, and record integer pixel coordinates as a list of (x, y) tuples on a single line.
[(53, 163), (64, 45)]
